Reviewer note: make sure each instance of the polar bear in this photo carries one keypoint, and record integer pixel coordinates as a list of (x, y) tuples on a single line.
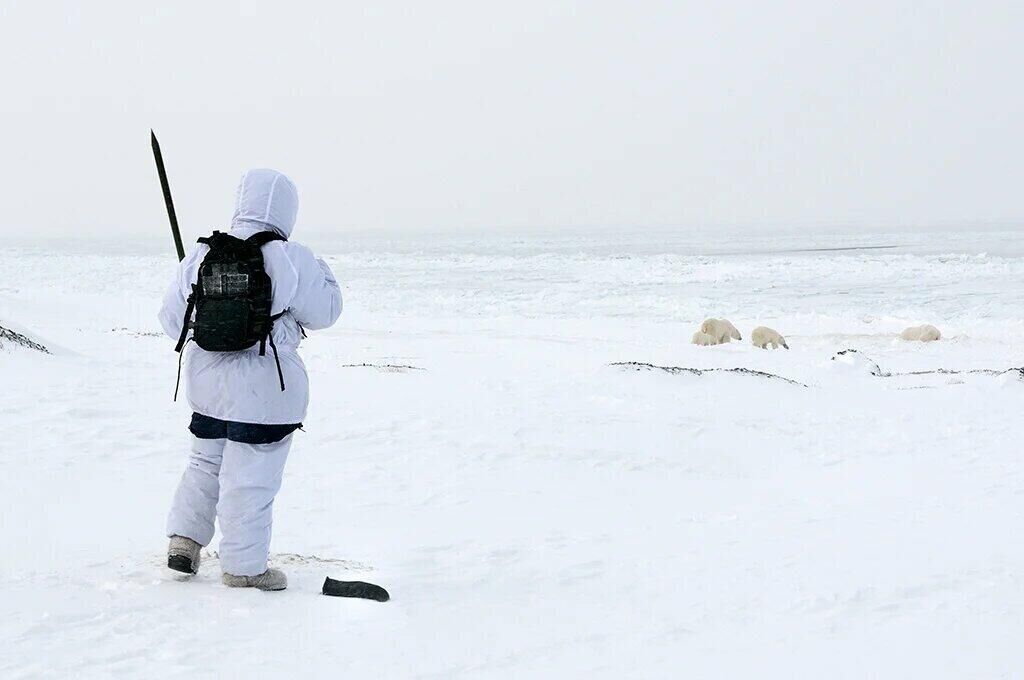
[(721, 330), (702, 338), (925, 333), (763, 336)]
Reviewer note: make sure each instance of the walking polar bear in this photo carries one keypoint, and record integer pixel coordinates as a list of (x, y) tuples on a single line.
[(716, 332), (763, 336), (925, 333)]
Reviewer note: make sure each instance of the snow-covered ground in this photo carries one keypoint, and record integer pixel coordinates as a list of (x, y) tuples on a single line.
[(533, 511)]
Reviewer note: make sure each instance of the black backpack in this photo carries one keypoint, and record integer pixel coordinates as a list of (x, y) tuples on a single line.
[(232, 298)]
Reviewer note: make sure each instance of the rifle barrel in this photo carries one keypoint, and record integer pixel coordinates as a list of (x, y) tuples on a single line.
[(168, 201)]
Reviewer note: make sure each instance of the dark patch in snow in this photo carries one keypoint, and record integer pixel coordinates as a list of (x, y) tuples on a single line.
[(19, 339), (641, 366), (296, 559), (878, 372), (137, 334), (386, 368)]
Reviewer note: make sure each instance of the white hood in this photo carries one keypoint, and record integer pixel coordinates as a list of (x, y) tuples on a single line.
[(266, 198)]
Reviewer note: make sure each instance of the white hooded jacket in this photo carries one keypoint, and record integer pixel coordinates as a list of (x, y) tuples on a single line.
[(243, 386)]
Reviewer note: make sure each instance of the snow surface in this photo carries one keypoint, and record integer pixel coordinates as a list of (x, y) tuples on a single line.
[(533, 511)]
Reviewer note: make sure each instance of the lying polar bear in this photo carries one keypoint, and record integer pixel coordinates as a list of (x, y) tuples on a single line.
[(719, 329), (763, 336), (925, 333)]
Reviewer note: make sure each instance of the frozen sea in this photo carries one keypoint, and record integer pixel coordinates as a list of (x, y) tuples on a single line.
[(534, 510)]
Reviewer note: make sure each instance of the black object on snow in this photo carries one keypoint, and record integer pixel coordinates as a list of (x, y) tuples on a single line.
[(19, 339), (360, 589)]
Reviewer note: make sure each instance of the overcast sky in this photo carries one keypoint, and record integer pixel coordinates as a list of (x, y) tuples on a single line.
[(481, 115)]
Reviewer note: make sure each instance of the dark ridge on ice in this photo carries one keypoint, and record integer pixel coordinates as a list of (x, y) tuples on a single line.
[(838, 249), (386, 368), (19, 339), (794, 251), (641, 366), (877, 371)]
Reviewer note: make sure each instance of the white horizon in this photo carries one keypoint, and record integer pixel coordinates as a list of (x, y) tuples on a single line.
[(462, 117)]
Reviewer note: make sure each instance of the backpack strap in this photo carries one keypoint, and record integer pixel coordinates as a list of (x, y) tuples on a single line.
[(211, 239), (183, 339), (263, 347), (261, 238), (177, 382), (189, 308), (277, 360), (263, 340)]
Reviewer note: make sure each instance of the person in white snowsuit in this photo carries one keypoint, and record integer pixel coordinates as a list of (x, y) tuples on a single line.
[(243, 421)]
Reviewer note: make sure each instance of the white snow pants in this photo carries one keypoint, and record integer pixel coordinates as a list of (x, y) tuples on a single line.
[(236, 483)]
